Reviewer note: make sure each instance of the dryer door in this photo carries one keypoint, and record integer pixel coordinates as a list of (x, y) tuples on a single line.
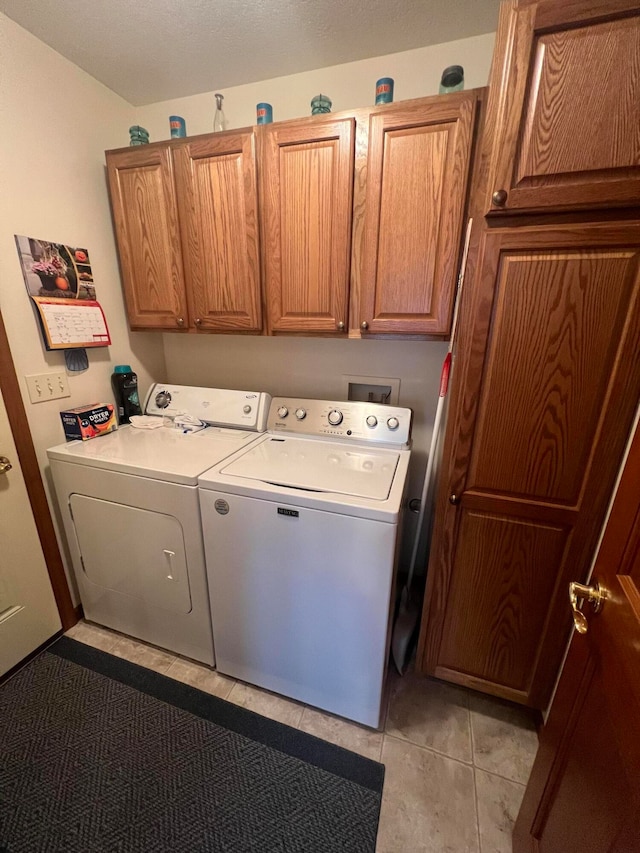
[(149, 562)]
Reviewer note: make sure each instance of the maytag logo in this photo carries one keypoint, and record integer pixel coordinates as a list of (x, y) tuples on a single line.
[(291, 512)]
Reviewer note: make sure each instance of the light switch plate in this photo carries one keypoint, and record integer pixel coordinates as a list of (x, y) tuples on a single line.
[(47, 386)]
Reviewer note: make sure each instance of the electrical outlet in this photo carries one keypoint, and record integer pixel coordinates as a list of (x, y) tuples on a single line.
[(47, 386)]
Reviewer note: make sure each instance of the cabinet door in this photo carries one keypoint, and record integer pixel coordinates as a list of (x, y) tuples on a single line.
[(217, 193), (545, 391), (417, 171), (564, 106), (145, 217), (306, 196)]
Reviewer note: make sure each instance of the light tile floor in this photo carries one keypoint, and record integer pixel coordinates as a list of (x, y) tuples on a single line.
[(456, 761)]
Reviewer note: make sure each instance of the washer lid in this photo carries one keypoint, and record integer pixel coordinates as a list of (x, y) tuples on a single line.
[(161, 454), (318, 466)]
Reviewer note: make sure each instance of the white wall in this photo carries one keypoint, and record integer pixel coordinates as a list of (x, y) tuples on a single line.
[(416, 74), (57, 122)]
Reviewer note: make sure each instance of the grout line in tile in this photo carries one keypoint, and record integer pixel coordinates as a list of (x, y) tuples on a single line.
[(500, 776), (381, 747), (146, 647), (429, 749), (458, 761), (226, 695), (475, 795), (492, 772), (473, 745), (406, 739), (87, 642)]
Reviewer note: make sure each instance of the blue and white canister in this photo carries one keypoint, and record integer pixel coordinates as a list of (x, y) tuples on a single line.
[(264, 113), (384, 90), (178, 127)]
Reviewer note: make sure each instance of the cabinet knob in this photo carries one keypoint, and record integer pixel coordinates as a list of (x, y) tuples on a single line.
[(454, 499), (341, 326), (197, 321), (364, 325), (499, 198), (180, 321)]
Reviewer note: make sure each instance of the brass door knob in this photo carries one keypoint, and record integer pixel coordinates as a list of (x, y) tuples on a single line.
[(197, 321), (180, 321), (364, 325), (595, 595), (454, 499), (5, 465), (341, 326), (499, 198)]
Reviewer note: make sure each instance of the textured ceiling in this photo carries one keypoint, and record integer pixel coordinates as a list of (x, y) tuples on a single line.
[(153, 50)]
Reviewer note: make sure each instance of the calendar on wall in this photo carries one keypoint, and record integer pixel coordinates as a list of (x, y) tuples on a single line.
[(59, 280), (78, 324)]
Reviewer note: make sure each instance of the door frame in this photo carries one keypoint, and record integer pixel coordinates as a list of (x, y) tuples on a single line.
[(33, 480)]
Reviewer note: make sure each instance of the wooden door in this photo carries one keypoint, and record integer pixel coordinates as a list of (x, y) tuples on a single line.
[(417, 174), (218, 200), (564, 106), (584, 792), (306, 196), (542, 401), (145, 215)]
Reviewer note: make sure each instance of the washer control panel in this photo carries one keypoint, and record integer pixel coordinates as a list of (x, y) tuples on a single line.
[(370, 422)]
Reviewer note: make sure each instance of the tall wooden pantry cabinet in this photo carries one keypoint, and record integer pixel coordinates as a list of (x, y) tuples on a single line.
[(546, 378)]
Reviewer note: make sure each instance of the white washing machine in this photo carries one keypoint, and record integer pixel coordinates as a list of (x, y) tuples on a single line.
[(129, 502), (301, 539)]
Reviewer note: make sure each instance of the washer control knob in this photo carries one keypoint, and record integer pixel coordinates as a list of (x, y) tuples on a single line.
[(283, 412), (301, 414), (246, 409), (335, 417), (163, 398), (372, 421), (393, 423)]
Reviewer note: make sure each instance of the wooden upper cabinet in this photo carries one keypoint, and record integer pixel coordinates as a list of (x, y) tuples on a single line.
[(564, 106), (306, 189), (218, 202), (145, 217), (417, 173), (544, 394)]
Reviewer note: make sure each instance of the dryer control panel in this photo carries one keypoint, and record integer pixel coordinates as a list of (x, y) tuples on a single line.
[(217, 406), (368, 422)]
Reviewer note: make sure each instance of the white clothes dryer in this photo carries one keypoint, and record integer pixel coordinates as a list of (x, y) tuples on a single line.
[(130, 509), (301, 539)]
